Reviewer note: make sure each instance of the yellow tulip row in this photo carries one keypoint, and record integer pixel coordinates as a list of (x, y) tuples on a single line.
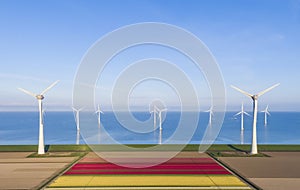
[(147, 181)]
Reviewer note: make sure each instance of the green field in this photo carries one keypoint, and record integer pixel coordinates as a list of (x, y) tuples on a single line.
[(191, 147)]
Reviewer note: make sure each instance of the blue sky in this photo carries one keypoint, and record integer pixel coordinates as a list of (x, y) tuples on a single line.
[(255, 42)]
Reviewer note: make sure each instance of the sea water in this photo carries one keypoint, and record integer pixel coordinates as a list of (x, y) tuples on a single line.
[(60, 128)]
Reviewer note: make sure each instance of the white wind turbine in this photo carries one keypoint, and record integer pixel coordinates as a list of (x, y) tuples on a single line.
[(266, 111), (255, 102), (160, 117), (154, 111), (211, 113), (77, 111), (98, 112), (242, 112), (40, 97)]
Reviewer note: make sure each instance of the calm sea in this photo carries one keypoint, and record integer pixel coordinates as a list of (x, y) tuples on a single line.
[(60, 128)]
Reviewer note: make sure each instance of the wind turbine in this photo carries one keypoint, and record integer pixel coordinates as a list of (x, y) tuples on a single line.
[(40, 97), (154, 111), (160, 118), (211, 113), (255, 102), (242, 112), (98, 112), (77, 111), (266, 111)]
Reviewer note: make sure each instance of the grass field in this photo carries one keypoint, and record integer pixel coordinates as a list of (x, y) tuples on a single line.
[(191, 147)]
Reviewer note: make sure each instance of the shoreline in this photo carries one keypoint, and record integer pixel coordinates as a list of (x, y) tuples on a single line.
[(169, 147)]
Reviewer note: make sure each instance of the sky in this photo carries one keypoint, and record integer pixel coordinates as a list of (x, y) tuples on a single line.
[(254, 42)]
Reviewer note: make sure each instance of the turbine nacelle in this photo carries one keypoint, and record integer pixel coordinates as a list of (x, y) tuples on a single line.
[(254, 97), (39, 97)]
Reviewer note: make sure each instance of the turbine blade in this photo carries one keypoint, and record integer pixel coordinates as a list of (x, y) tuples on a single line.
[(238, 113), (154, 111), (268, 89), (157, 109), (53, 84), (242, 91), (99, 110), (210, 110), (77, 109), (27, 92), (267, 110), (247, 113), (74, 109)]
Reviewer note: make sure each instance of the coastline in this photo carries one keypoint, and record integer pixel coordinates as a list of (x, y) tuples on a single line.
[(170, 147)]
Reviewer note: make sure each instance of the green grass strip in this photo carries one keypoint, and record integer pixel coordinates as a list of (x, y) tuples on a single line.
[(190, 147)]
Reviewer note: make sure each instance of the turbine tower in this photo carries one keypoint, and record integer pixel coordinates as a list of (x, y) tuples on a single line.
[(77, 111), (242, 112), (154, 111), (266, 111), (40, 97), (160, 137), (98, 112), (211, 113), (160, 118), (77, 138), (255, 102)]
